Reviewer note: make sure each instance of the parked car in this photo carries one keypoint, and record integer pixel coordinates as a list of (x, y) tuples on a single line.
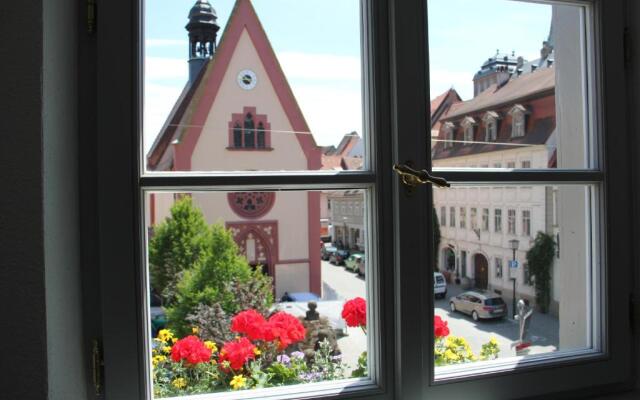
[(352, 262), (339, 257), (361, 266), (327, 251), (479, 304), (439, 285)]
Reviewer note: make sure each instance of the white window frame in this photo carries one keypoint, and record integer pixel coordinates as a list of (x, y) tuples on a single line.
[(490, 120), (526, 223), (469, 127), (485, 219), (518, 115), (463, 217), (452, 217), (402, 366), (497, 220)]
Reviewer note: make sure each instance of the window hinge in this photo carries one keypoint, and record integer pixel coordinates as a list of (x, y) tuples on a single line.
[(627, 48), (97, 364), (91, 16)]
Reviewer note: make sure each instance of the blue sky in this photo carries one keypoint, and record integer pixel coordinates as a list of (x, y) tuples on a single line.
[(318, 45)]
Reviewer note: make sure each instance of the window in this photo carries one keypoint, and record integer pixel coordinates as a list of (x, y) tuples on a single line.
[(449, 134), (126, 349), (518, 120), (498, 263), (463, 217), (249, 131), (526, 223), (443, 216), (491, 126), (511, 222), (474, 218), (526, 164), (485, 219), (452, 217), (511, 164), (468, 124), (497, 220)]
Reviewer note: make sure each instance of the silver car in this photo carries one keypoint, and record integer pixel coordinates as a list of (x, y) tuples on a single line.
[(479, 304)]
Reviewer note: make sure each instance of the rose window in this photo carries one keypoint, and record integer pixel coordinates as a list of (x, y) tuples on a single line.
[(251, 204)]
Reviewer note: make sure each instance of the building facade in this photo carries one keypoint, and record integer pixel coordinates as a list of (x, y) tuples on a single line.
[(237, 112)]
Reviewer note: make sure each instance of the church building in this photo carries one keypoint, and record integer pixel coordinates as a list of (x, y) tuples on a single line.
[(238, 113)]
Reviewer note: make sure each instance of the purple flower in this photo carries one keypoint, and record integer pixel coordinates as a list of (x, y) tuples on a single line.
[(298, 355), (310, 376), (283, 359)]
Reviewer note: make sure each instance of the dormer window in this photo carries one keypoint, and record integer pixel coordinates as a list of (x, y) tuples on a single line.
[(468, 124), (249, 131), (518, 120), (490, 120), (449, 130)]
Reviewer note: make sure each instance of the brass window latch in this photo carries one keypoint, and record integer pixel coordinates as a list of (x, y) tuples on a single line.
[(414, 178)]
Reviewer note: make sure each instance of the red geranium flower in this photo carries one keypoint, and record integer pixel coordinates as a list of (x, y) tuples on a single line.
[(250, 323), (354, 312), (286, 328), (440, 328), (237, 353), (191, 349)]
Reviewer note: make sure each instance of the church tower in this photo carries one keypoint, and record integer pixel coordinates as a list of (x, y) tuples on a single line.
[(203, 29)]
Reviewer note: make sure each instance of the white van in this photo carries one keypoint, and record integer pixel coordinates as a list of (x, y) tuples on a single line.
[(439, 285)]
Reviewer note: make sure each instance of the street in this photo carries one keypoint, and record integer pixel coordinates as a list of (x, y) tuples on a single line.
[(340, 284)]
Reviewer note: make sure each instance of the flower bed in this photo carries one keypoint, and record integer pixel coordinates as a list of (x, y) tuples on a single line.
[(266, 353)]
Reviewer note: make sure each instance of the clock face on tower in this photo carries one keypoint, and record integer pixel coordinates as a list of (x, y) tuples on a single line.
[(247, 79)]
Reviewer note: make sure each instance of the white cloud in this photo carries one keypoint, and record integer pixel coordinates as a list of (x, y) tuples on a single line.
[(320, 66), (164, 42), (330, 112), (166, 68)]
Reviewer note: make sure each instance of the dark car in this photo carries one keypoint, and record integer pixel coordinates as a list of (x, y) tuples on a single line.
[(326, 252), (339, 257)]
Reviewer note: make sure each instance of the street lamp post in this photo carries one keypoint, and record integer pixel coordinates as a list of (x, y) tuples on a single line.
[(514, 244)]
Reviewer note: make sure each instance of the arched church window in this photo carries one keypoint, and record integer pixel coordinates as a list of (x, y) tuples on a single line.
[(261, 143), (249, 131), (237, 135)]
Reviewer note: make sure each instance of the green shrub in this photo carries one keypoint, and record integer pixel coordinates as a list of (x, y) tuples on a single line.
[(178, 244), (540, 260), (214, 280)]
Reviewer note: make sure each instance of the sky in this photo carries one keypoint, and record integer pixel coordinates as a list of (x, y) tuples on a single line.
[(318, 45)]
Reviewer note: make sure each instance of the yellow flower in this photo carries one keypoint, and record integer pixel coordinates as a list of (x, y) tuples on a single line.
[(195, 330), (166, 349), (211, 346), (256, 351), (179, 383), (174, 340), (493, 341), (158, 359), (165, 335), (238, 382)]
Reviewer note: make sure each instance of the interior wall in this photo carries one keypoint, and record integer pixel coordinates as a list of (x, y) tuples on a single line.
[(23, 342)]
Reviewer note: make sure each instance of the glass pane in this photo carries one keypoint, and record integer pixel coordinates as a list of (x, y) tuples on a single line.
[(542, 241), (228, 87), (256, 289), (509, 85)]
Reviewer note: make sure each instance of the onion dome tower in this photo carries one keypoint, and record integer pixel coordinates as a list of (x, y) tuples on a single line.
[(203, 29)]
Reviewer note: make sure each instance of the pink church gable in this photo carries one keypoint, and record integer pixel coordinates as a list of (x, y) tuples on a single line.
[(242, 18)]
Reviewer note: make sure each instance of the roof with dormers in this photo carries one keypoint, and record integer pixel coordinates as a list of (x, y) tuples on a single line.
[(539, 83)]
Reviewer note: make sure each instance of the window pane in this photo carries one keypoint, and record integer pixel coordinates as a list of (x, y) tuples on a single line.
[(514, 93), (229, 88), (256, 289), (556, 274)]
